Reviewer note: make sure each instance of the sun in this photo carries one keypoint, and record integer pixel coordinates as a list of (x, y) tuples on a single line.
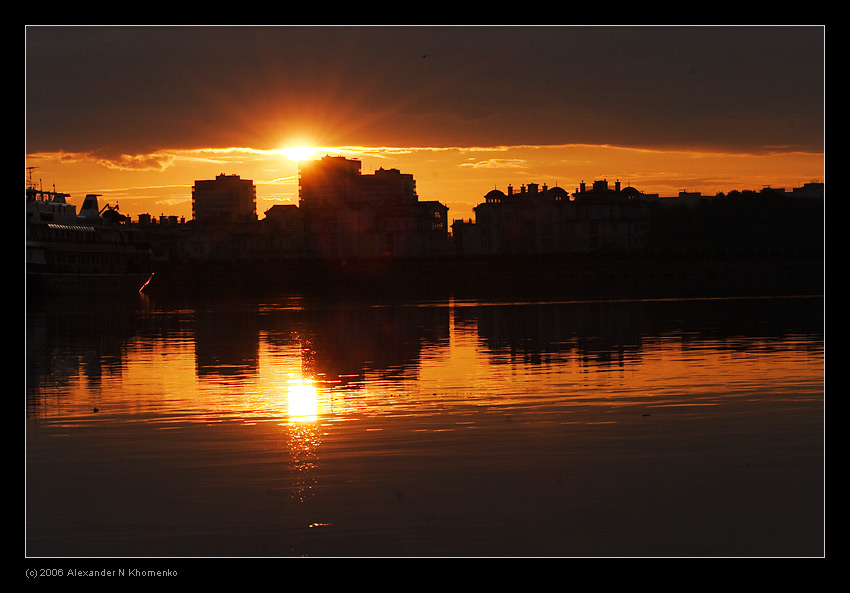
[(299, 153)]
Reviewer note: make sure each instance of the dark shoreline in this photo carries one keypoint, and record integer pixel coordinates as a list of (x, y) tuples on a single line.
[(573, 276)]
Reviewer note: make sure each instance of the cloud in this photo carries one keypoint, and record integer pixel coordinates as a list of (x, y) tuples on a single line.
[(497, 164), (135, 90), (147, 162), (157, 161)]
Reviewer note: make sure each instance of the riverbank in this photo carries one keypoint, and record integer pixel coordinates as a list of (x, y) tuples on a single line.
[(587, 276)]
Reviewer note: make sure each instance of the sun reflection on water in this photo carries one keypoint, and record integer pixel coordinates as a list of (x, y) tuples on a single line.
[(303, 435), (302, 401)]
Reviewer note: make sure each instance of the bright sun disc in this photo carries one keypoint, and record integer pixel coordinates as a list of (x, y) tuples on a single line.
[(299, 153)]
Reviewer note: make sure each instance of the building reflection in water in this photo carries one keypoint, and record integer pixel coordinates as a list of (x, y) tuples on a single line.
[(343, 414), (247, 358)]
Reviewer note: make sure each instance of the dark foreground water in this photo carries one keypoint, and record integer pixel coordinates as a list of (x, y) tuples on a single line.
[(330, 427)]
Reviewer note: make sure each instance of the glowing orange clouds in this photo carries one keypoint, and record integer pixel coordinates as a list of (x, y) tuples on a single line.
[(161, 183)]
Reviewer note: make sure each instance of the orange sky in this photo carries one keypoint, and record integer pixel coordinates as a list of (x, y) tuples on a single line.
[(139, 113), (161, 183)]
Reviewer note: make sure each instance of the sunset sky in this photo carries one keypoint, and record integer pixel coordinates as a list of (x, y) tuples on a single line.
[(137, 114)]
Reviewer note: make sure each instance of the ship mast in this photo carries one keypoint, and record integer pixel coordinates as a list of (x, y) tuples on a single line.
[(29, 177)]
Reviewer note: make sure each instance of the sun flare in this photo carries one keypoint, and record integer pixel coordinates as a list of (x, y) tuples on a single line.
[(299, 153)]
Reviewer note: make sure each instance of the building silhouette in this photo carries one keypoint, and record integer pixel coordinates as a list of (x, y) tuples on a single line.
[(343, 215), (225, 199), (347, 214), (543, 220), (282, 232)]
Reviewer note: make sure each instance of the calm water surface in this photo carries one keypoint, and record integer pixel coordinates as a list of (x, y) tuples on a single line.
[(329, 427)]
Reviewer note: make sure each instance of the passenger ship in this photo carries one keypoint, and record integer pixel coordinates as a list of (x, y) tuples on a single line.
[(94, 251)]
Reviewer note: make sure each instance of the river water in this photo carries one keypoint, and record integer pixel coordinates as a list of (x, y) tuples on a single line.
[(319, 426)]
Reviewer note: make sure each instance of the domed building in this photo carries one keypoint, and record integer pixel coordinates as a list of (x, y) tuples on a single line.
[(558, 194), (544, 220), (631, 193), (494, 196)]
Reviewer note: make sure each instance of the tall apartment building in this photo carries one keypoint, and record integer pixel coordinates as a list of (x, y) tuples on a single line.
[(348, 214), (225, 199), (335, 181)]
